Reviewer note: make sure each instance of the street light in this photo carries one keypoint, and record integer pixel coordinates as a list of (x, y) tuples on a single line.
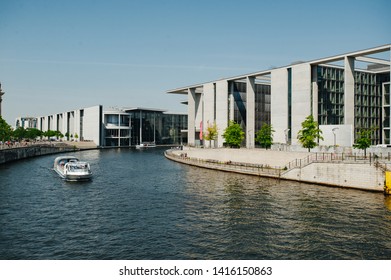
[(335, 136), (286, 135), (250, 141)]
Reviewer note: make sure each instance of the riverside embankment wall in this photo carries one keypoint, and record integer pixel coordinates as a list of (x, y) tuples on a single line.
[(13, 154), (321, 169), (342, 174)]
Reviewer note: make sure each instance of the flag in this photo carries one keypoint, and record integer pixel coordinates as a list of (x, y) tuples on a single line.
[(201, 130)]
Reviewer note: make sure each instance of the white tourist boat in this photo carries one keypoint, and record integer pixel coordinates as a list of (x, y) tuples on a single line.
[(71, 169)]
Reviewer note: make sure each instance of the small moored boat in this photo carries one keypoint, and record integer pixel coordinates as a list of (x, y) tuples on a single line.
[(146, 145), (71, 169)]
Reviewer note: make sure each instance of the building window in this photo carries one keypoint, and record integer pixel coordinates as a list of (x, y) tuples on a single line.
[(330, 95), (112, 120)]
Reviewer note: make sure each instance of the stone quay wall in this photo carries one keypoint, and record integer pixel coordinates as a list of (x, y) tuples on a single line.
[(316, 168), (13, 154)]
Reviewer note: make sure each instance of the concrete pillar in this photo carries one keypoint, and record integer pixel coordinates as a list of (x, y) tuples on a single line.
[(250, 112), (279, 104), (221, 109), (208, 117), (191, 113), (301, 98), (349, 90)]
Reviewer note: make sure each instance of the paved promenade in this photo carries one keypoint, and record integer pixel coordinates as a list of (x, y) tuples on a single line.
[(254, 156), (319, 168)]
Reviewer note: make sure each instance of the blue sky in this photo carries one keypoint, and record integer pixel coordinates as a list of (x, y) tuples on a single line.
[(57, 56)]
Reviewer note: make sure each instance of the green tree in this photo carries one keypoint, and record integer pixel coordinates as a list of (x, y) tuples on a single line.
[(233, 134), (265, 136), (211, 133), (19, 133), (310, 133), (364, 140), (5, 130), (76, 136), (58, 134), (49, 134), (33, 133)]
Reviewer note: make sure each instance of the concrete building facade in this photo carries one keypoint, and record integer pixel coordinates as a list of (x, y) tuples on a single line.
[(345, 94), (80, 125), (114, 127)]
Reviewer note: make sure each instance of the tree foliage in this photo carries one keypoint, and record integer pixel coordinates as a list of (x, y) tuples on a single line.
[(5, 130), (310, 133), (364, 140), (265, 136), (53, 133), (233, 135), (20, 133), (211, 133), (33, 133)]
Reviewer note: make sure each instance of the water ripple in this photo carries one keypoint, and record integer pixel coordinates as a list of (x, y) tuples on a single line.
[(143, 206)]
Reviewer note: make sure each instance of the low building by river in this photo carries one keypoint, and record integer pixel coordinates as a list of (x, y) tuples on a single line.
[(114, 127)]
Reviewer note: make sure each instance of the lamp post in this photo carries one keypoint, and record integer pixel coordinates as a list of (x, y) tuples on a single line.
[(335, 136), (286, 135), (250, 140)]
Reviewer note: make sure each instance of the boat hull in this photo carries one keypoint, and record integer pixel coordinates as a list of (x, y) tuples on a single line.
[(74, 177), (71, 169)]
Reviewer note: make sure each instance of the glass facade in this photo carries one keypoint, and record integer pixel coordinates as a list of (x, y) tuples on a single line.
[(262, 104), (171, 130), (367, 99), (367, 104), (330, 95), (116, 129), (288, 132), (135, 126), (386, 113)]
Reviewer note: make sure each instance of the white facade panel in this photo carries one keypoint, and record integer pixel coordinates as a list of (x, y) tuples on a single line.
[(191, 112), (301, 97), (209, 107), (250, 112), (279, 104), (91, 125), (221, 109), (339, 135)]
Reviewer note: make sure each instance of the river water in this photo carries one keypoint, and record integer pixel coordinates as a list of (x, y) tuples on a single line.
[(140, 205)]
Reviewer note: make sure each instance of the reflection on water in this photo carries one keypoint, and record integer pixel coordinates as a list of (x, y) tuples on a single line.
[(387, 202), (143, 206)]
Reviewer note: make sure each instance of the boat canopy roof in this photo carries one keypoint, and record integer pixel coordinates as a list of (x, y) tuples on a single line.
[(65, 158)]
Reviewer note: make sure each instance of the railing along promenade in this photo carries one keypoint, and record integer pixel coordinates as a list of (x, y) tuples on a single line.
[(231, 166), (382, 161)]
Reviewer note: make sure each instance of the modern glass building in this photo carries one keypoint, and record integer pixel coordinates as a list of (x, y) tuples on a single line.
[(132, 126), (368, 95), (115, 127), (345, 93)]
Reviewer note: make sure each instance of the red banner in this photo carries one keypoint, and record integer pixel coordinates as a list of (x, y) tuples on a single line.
[(201, 130)]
